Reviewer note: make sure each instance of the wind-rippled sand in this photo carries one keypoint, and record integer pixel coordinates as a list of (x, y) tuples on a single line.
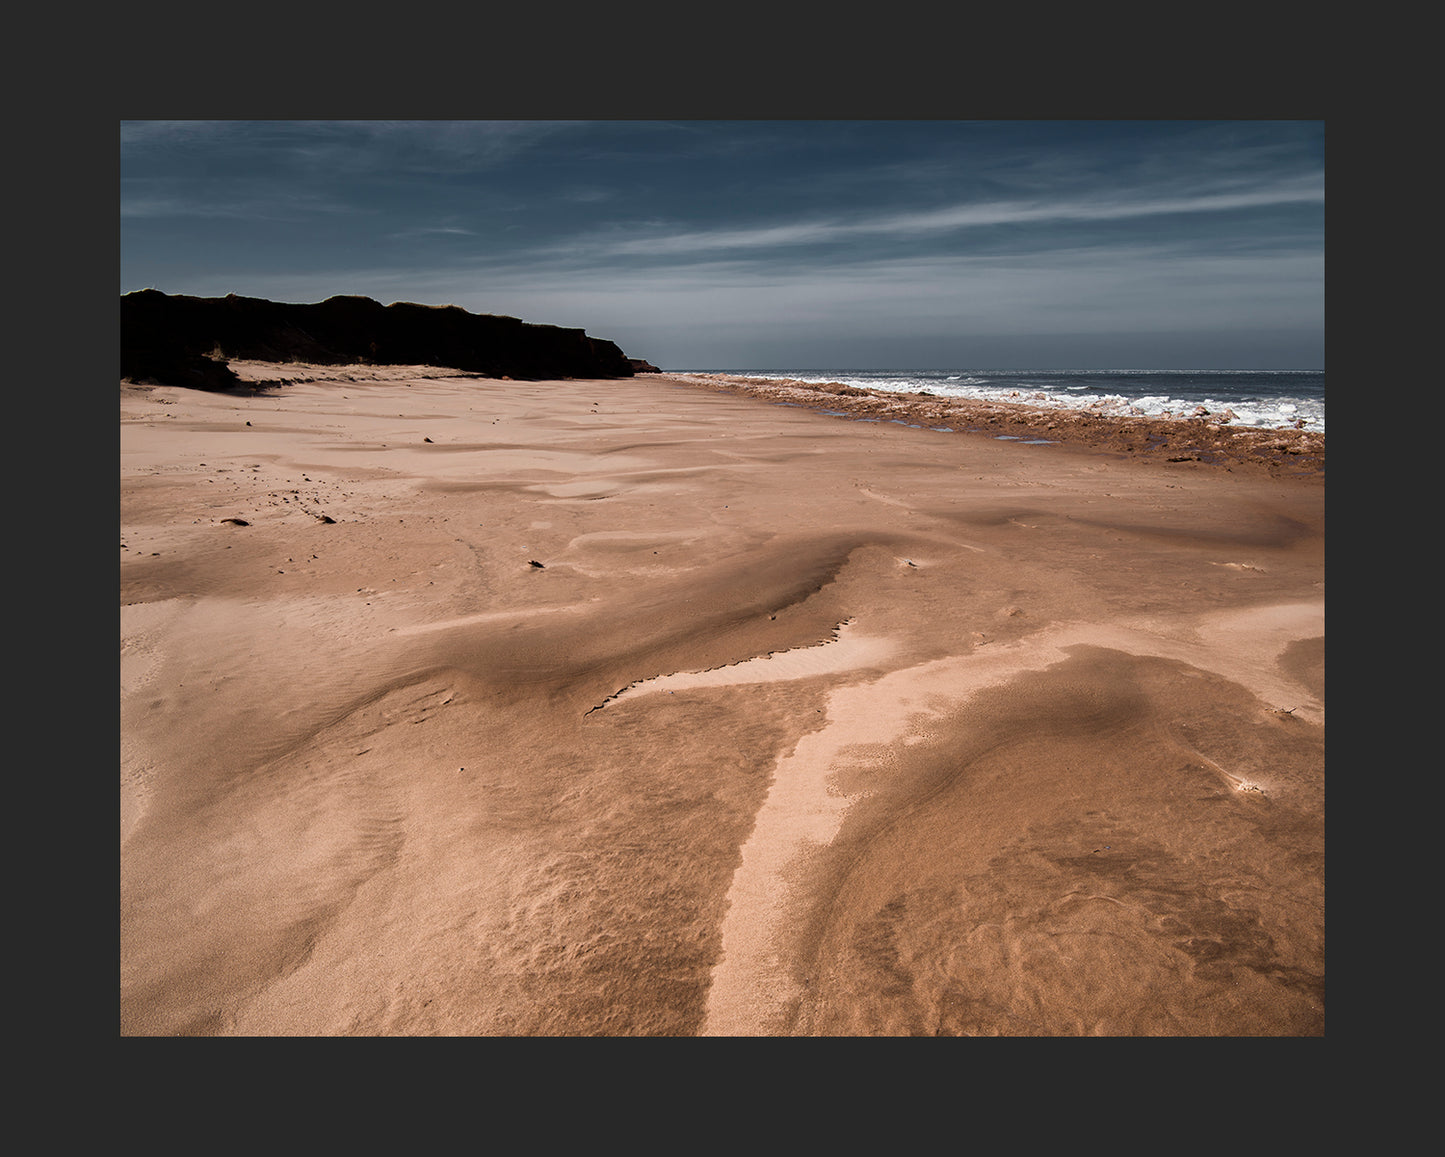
[(460, 706)]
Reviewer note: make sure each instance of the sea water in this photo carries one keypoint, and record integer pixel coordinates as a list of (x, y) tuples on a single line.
[(1269, 399)]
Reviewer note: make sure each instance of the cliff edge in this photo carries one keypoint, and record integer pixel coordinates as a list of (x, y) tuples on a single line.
[(186, 341)]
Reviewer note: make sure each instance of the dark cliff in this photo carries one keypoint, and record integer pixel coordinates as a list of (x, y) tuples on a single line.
[(185, 341)]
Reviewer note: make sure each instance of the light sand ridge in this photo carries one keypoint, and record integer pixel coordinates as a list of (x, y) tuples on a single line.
[(846, 651), (753, 993)]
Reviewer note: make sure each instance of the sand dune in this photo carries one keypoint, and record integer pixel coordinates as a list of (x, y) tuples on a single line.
[(460, 706)]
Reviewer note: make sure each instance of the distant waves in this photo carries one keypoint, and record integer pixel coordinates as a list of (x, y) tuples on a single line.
[(1268, 399)]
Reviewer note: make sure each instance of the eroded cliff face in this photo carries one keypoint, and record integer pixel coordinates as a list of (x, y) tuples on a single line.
[(186, 341)]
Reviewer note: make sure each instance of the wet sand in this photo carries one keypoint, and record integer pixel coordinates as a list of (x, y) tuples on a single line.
[(459, 706)]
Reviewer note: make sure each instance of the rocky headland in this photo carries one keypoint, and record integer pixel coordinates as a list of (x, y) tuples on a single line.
[(185, 341)]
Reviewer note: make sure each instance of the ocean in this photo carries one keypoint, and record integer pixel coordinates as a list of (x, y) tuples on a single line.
[(1270, 399)]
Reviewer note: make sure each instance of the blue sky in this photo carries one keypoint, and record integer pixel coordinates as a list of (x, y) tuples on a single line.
[(767, 244)]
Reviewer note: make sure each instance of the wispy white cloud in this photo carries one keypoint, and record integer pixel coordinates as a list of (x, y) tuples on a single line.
[(949, 219), (430, 231), (141, 198), (1139, 287)]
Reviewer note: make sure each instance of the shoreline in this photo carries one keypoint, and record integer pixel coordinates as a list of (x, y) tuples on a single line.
[(1208, 439), (460, 706)]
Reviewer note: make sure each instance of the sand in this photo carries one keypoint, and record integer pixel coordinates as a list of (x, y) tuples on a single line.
[(461, 706)]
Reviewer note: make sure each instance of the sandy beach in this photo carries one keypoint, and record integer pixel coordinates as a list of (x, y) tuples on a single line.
[(683, 705)]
